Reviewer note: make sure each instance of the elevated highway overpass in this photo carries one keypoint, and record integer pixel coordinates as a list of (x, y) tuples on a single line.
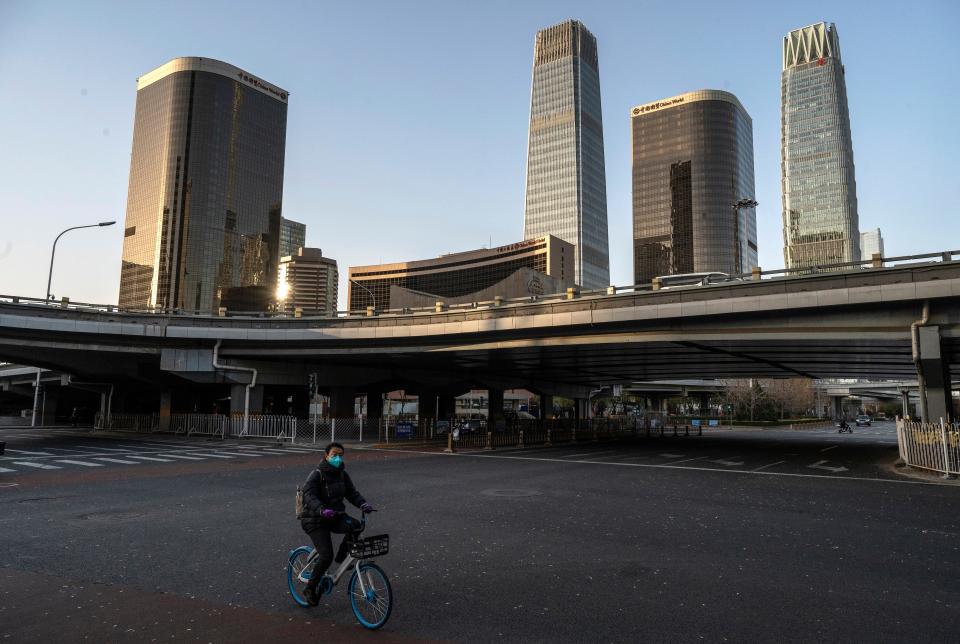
[(854, 324)]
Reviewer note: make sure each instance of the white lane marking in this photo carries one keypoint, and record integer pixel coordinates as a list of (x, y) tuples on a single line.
[(665, 466), (687, 460), (84, 463), (181, 456), (819, 465), (763, 467), (300, 450), (278, 451), (116, 460), (239, 453), (41, 466), (576, 455), (5, 469), (150, 458), (23, 451), (827, 449), (673, 455), (721, 461), (213, 455)]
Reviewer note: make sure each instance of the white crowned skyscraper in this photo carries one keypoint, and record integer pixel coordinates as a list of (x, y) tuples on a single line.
[(566, 193), (820, 224)]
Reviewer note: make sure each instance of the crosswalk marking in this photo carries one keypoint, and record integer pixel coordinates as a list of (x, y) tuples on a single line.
[(150, 458), (240, 453), (41, 466), (186, 458), (83, 463), (116, 460), (5, 469), (23, 451), (280, 451), (213, 455)]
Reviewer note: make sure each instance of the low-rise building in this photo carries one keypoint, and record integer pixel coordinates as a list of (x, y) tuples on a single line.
[(308, 281), (537, 266)]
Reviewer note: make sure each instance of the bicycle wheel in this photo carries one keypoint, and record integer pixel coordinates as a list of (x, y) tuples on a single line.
[(371, 604), (295, 569)]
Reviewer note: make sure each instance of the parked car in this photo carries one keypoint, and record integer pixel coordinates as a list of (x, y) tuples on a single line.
[(863, 420), (880, 416)]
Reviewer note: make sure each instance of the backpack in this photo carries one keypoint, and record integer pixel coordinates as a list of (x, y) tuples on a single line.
[(299, 500)]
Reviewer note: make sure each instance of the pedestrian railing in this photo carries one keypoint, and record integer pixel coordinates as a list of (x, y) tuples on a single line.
[(144, 423), (264, 426), (199, 424), (930, 446)]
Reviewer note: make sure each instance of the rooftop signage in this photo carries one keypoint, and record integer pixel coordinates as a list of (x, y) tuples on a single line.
[(670, 102), (256, 82)]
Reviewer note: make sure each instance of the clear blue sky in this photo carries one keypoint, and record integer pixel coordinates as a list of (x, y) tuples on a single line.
[(407, 127)]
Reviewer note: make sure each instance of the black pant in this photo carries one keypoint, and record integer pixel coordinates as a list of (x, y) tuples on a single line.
[(342, 524)]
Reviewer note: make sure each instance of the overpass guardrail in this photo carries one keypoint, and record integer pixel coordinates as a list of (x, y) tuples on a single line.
[(930, 446), (757, 274)]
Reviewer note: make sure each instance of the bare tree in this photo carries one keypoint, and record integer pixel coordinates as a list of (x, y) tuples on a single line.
[(791, 396), (744, 395)]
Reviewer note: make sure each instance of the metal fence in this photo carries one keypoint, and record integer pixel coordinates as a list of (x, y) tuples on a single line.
[(930, 446), (265, 426), (127, 422), (199, 424)]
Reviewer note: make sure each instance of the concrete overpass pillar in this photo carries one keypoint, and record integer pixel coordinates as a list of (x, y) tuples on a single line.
[(448, 406), (581, 409), (905, 403), (838, 407), (704, 403), (428, 402), (936, 401), (342, 400), (374, 405), (237, 398), (494, 406), (166, 398), (546, 406)]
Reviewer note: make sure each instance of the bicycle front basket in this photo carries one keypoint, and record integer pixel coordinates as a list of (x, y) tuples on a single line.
[(376, 546)]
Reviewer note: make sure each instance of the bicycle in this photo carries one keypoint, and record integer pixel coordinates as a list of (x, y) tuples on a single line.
[(371, 596)]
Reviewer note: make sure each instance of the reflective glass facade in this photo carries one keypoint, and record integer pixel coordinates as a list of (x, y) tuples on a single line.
[(566, 194), (460, 274), (820, 223), (692, 160), (293, 236), (205, 192)]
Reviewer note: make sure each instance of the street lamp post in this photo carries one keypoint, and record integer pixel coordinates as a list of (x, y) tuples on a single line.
[(53, 252), (373, 297)]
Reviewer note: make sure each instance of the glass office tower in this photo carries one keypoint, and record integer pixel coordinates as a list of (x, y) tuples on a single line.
[(205, 191), (692, 161), (820, 224), (566, 192), (293, 237)]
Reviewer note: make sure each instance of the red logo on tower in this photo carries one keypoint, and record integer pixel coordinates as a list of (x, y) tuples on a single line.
[(822, 61)]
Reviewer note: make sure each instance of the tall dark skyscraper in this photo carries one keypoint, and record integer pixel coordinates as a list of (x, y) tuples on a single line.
[(206, 187), (820, 222), (566, 192), (692, 160)]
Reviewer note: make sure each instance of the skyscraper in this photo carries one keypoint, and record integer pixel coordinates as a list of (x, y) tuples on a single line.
[(692, 161), (820, 224), (871, 242), (205, 192), (566, 192), (293, 236)]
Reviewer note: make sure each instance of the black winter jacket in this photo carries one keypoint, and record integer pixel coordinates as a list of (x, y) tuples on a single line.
[(326, 488)]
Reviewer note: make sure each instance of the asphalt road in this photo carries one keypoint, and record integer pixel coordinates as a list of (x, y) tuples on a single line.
[(594, 542)]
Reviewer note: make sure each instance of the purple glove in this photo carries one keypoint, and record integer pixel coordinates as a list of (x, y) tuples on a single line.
[(366, 508), (327, 513)]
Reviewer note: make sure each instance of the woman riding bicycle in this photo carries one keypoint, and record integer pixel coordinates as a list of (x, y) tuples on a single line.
[(324, 513)]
